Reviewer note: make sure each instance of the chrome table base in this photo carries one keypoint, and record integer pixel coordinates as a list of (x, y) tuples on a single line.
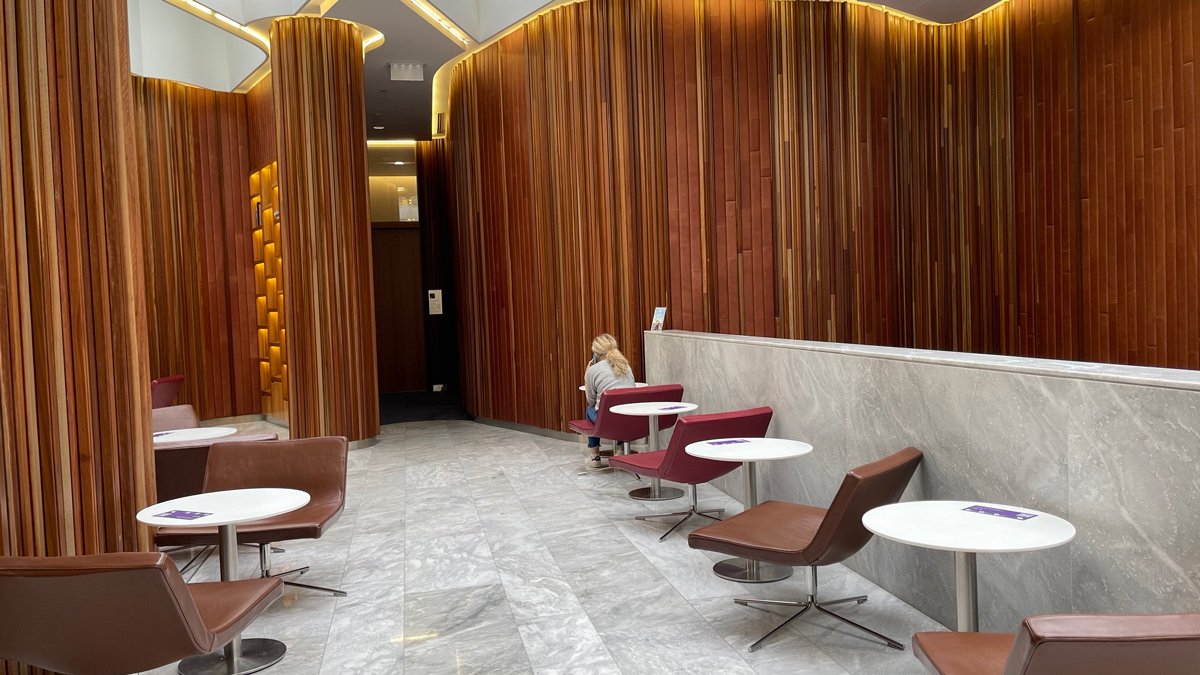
[(256, 654)]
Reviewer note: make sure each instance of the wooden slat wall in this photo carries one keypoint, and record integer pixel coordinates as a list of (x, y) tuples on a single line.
[(317, 67), (829, 171), (193, 166), (260, 124), (75, 456), (560, 217), (1139, 102)]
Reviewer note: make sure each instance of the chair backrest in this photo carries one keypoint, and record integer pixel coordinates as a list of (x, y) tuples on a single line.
[(315, 465), (173, 417), (98, 614), (1163, 644), (616, 427), (164, 391), (680, 467), (842, 534), (179, 467)]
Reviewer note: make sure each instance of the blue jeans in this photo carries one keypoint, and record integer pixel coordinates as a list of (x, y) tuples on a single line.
[(593, 441)]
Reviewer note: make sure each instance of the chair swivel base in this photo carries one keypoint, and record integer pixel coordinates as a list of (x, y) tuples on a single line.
[(687, 515), (264, 566), (257, 654), (746, 571), (811, 603)]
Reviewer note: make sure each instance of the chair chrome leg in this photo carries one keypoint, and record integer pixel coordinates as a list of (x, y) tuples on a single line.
[(811, 602), (860, 599), (340, 594), (204, 552), (298, 570), (886, 640), (754, 647), (693, 510)]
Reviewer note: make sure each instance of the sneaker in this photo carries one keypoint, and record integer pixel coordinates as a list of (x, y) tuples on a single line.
[(593, 462)]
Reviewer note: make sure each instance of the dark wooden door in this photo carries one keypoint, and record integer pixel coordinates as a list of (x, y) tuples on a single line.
[(399, 307)]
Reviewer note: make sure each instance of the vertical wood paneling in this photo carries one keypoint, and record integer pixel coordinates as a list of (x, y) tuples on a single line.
[(826, 171), (75, 456), (1139, 201), (192, 152), (316, 67)]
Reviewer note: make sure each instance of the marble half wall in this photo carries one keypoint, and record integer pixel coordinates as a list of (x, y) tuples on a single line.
[(1113, 449)]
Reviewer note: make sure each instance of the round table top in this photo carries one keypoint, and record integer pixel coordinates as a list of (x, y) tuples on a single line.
[(968, 527), (741, 449), (653, 408), (223, 508), (197, 434), (583, 387)]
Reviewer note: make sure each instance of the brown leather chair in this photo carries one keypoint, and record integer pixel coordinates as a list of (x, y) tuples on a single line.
[(315, 465), (179, 467), (1163, 644), (118, 613), (797, 534), (173, 417)]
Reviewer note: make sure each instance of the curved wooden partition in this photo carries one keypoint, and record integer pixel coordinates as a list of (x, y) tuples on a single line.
[(75, 455), (316, 67), (825, 171), (199, 258)]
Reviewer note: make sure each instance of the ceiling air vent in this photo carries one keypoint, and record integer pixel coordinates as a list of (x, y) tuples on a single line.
[(408, 72)]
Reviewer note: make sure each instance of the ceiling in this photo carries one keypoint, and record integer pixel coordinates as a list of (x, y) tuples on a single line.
[(403, 109), (167, 42)]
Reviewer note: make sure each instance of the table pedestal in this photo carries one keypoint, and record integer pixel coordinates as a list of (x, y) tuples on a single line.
[(240, 657), (966, 592), (742, 569), (655, 492)]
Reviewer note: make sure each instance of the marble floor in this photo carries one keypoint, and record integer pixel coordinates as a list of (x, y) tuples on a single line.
[(467, 548)]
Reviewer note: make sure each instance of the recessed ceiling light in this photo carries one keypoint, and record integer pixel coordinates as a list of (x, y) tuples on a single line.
[(399, 163), (377, 127)]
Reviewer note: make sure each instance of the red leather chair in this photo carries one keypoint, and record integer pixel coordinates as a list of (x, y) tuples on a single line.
[(674, 464), (117, 613), (625, 429), (165, 390), (1163, 644)]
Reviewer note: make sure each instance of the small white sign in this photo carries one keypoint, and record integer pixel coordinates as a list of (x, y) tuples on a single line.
[(435, 302), (660, 317)]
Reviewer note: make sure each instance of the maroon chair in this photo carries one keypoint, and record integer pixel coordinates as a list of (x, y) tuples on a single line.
[(165, 390), (1070, 644), (625, 429), (674, 464)]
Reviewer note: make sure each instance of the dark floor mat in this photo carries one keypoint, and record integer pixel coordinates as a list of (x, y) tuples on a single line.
[(420, 406)]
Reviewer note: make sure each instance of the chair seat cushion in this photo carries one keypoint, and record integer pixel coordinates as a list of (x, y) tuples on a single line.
[(963, 653), (644, 464), (777, 532), (581, 427), (308, 522), (227, 607)]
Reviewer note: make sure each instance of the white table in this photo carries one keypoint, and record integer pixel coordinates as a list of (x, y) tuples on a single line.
[(192, 435), (748, 451), (949, 526), (654, 410), (225, 510)]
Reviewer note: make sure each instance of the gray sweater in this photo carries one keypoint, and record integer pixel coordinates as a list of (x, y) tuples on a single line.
[(600, 378)]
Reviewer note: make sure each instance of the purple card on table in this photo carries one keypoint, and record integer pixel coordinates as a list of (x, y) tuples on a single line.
[(1003, 513), (673, 407), (183, 515), (730, 441)]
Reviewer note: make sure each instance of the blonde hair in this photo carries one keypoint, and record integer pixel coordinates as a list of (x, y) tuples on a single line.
[(605, 346)]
